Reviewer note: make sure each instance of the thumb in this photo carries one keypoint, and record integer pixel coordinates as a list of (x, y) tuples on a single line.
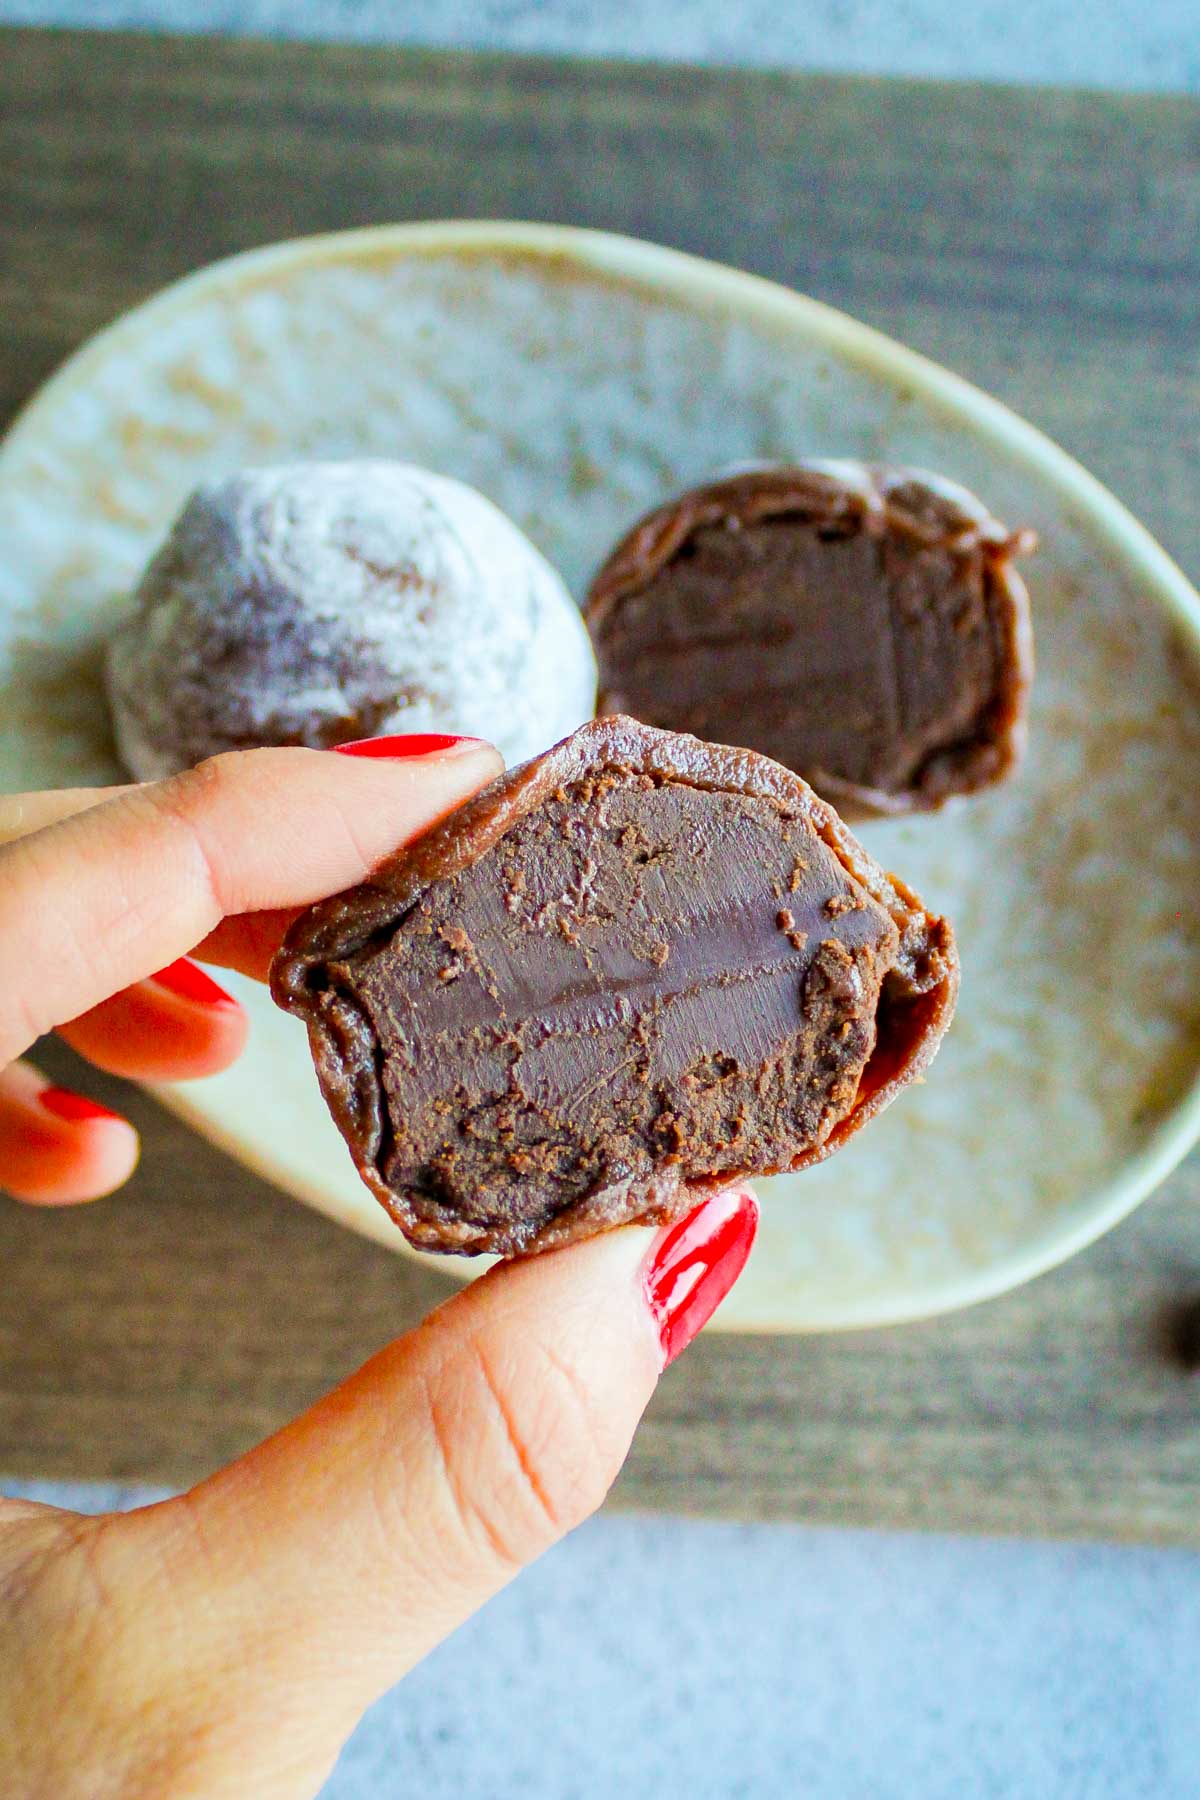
[(286, 1593)]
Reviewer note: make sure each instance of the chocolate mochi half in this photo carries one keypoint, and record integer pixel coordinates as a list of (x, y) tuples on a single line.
[(623, 975), (863, 626)]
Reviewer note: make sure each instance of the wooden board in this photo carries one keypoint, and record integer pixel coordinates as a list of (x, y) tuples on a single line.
[(1047, 245)]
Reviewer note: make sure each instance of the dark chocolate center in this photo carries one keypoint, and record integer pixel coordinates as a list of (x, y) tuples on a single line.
[(871, 658), (640, 972)]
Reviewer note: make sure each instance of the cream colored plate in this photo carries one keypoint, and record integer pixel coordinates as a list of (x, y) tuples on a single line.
[(577, 378)]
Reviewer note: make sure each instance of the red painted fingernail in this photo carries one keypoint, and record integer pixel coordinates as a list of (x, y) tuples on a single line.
[(189, 981), (66, 1105), (694, 1265), (417, 743)]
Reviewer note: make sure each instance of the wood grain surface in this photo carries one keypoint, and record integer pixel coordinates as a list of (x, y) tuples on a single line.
[(1045, 244)]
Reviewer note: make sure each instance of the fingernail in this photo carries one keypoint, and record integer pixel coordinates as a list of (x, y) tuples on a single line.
[(66, 1105), (189, 981), (694, 1265), (416, 743)]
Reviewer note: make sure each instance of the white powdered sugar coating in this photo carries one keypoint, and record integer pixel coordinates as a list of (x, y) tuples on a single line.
[(315, 603)]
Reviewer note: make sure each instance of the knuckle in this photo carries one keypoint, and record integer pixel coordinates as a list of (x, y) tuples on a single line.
[(184, 795), (211, 772), (192, 793), (519, 1446), (182, 802)]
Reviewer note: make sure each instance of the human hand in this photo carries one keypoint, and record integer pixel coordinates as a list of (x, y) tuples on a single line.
[(226, 1641)]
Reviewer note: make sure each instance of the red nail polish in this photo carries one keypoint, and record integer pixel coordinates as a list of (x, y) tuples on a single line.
[(695, 1264), (189, 981), (75, 1107), (416, 743)]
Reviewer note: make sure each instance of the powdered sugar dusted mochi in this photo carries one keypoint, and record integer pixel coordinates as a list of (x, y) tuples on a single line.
[(322, 602)]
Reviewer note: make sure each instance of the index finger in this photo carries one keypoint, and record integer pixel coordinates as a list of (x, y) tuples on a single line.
[(107, 896), (21, 814)]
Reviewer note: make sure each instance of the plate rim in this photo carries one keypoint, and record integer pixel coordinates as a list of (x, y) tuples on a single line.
[(697, 280)]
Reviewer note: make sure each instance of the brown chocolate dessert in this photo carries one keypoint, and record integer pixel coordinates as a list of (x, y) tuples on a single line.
[(862, 626), (635, 969)]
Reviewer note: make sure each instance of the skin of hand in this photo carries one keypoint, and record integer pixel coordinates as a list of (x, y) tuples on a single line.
[(226, 1641)]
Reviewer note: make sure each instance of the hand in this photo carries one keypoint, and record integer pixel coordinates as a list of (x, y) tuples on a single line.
[(225, 1642)]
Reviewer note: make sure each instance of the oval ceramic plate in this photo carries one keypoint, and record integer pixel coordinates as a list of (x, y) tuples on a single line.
[(577, 379)]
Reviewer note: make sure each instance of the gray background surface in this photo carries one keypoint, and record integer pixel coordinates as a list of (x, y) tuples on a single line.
[(1117, 42), (692, 1661), (714, 1661)]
